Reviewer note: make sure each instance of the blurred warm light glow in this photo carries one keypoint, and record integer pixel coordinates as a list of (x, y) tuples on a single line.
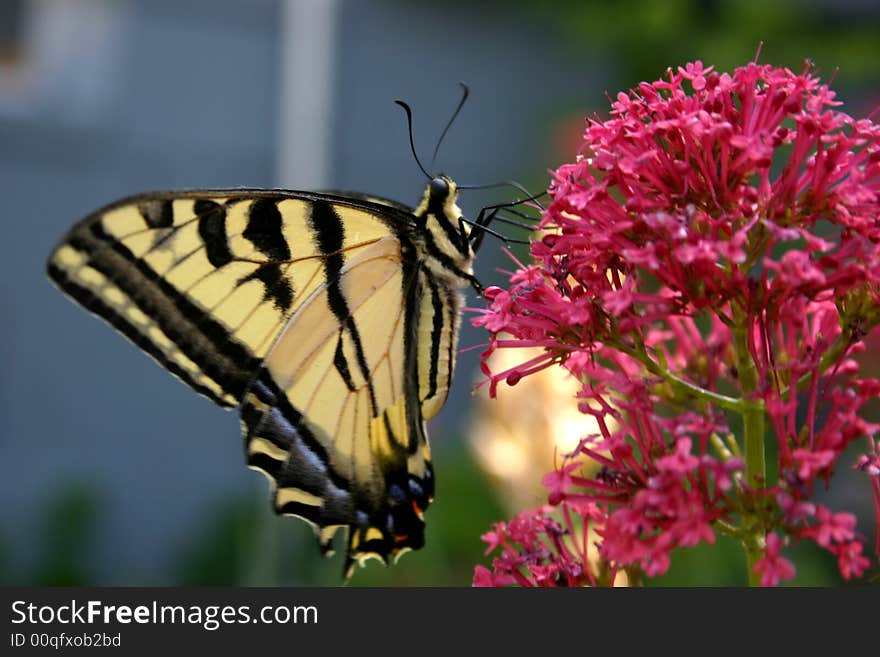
[(527, 430)]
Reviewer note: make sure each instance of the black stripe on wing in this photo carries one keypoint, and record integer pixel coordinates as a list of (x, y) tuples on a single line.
[(203, 340), (96, 305), (325, 498), (329, 235)]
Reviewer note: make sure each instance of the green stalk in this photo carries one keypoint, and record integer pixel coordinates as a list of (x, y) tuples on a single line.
[(679, 385), (753, 414)]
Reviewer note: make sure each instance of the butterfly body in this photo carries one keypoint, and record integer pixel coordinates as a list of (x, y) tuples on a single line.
[(330, 321)]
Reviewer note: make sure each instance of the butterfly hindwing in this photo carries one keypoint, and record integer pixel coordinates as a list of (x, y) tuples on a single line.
[(329, 419)]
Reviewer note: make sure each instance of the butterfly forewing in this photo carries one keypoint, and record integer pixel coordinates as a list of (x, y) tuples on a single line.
[(203, 281)]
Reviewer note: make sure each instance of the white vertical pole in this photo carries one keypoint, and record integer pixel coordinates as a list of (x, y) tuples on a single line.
[(308, 40), (309, 34)]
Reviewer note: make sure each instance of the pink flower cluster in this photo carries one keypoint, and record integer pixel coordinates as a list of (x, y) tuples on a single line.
[(535, 549), (712, 260)]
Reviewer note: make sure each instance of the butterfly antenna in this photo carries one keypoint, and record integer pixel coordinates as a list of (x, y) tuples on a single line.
[(510, 183), (412, 144), (465, 91)]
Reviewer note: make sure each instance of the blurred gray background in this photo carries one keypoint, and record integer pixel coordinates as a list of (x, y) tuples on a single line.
[(115, 97), (111, 471)]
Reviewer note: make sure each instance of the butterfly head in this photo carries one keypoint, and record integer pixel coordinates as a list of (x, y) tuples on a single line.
[(446, 233), (441, 196)]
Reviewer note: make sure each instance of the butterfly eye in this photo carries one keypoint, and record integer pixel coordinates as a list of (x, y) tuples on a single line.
[(439, 187)]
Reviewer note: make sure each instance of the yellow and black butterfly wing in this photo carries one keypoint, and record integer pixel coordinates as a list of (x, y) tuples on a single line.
[(313, 313), (204, 281), (331, 418)]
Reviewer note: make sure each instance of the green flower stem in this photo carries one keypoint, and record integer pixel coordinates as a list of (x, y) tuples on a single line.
[(751, 531), (720, 448), (727, 529), (680, 385), (753, 414)]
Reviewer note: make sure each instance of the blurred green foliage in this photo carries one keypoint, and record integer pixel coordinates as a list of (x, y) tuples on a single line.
[(722, 564), (71, 527), (624, 42), (640, 38), (67, 532), (242, 543)]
